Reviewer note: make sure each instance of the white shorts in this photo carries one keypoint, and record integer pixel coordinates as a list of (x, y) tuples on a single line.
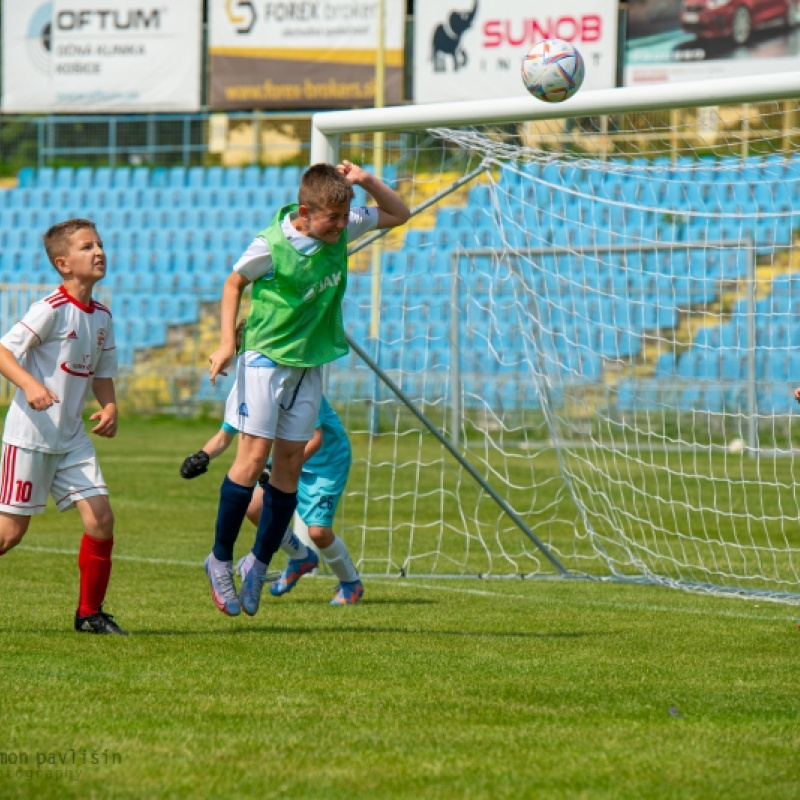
[(272, 401), (28, 476)]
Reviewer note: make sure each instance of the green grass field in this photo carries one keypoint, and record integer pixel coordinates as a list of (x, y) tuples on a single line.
[(428, 689)]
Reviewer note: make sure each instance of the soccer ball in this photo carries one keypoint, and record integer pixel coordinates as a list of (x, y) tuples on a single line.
[(553, 70)]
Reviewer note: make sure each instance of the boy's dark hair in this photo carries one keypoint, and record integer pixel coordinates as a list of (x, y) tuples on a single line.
[(56, 239), (322, 185)]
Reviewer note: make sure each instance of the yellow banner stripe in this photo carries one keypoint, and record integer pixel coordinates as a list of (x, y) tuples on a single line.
[(393, 58)]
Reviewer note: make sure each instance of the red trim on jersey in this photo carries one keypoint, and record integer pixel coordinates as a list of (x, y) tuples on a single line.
[(9, 471), (101, 307), (69, 298), (85, 489), (31, 330), (87, 374)]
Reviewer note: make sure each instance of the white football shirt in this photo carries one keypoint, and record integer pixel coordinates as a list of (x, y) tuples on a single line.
[(64, 345)]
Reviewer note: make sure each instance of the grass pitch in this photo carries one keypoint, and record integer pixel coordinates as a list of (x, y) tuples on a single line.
[(428, 689)]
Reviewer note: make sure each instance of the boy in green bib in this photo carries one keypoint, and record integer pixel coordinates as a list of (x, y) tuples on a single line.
[(298, 268)]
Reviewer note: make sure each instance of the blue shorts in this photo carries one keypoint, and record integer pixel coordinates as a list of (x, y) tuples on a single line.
[(318, 497)]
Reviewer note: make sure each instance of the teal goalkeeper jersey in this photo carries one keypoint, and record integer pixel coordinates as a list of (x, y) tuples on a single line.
[(333, 458)]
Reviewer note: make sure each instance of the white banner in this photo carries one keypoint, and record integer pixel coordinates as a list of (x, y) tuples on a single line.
[(312, 54), (109, 56), (473, 49)]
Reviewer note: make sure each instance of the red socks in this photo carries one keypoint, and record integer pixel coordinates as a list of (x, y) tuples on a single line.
[(94, 563)]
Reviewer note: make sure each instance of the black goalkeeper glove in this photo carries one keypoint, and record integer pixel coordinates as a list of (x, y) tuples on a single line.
[(264, 479), (195, 464)]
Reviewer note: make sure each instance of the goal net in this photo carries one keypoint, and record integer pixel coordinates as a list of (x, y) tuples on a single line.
[(580, 355)]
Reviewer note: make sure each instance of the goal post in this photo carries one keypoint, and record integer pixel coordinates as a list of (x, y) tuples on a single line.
[(586, 338)]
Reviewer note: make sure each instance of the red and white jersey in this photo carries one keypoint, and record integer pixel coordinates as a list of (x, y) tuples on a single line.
[(64, 345)]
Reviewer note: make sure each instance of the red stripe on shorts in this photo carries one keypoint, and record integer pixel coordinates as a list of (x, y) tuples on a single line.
[(9, 470)]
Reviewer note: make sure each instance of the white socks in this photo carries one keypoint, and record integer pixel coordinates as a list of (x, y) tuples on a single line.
[(293, 547), (338, 559)]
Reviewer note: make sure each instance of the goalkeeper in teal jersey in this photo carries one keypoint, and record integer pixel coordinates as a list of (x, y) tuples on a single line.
[(298, 268), (322, 482)]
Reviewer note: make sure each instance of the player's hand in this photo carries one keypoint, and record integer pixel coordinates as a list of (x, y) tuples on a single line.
[(106, 421), (40, 398), (355, 174), (195, 464), (797, 394), (220, 360)]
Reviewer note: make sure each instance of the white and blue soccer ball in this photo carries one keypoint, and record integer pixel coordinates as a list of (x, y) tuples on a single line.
[(553, 70)]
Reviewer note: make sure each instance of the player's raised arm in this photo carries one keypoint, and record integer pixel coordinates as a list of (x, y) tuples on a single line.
[(392, 211), (222, 357)]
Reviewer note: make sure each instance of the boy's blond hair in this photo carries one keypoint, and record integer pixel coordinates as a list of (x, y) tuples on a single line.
[(322, 185), (56, 239)]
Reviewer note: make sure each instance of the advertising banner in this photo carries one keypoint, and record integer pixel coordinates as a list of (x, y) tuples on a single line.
[(692, 40), (109, 56), (473, 49), (312, 55)]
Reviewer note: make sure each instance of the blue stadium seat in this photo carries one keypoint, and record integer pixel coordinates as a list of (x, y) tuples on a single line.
[(64, 178), (45, 178), (84, 178), (26, 178), (214, 177), (291, 178), (140, 178), (159, 178), (196, 178), (251, 176), (232, 177)]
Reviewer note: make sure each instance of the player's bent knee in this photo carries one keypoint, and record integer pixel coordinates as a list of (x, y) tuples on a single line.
[(97, 516), (12, 529), (321, 537)]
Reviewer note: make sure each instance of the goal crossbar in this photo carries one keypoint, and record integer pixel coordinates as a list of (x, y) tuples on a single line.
[(327, 126)]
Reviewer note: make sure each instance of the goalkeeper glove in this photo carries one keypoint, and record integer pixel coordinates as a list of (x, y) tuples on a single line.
[(195, 464), (264, 479)]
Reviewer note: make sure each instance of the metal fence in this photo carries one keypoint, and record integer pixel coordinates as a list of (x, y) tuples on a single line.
[(154, 140)]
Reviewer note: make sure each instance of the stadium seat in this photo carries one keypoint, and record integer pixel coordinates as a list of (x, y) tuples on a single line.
[(64, 178), (84, 178), (251, 176), (45, 178), (26, 178), (120, 178), (159, 178), (140, 178), (232, 177)]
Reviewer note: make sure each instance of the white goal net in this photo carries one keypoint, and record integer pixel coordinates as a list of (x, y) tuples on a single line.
[(580, 356)]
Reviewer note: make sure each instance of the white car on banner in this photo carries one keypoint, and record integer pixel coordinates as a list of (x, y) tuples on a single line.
[(473, 49), (114, 56)]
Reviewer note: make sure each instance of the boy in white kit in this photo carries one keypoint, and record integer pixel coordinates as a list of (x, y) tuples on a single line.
[(62, 347)]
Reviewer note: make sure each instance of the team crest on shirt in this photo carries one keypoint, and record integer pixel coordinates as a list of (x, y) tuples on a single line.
[(101, 338)]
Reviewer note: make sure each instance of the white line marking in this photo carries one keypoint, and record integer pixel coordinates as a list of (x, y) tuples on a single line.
[(594, 603), (460, 590), (116, 556)]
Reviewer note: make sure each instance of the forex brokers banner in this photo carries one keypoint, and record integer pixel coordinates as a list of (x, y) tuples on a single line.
[(313, 54), (103, 56), (473, 49)]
